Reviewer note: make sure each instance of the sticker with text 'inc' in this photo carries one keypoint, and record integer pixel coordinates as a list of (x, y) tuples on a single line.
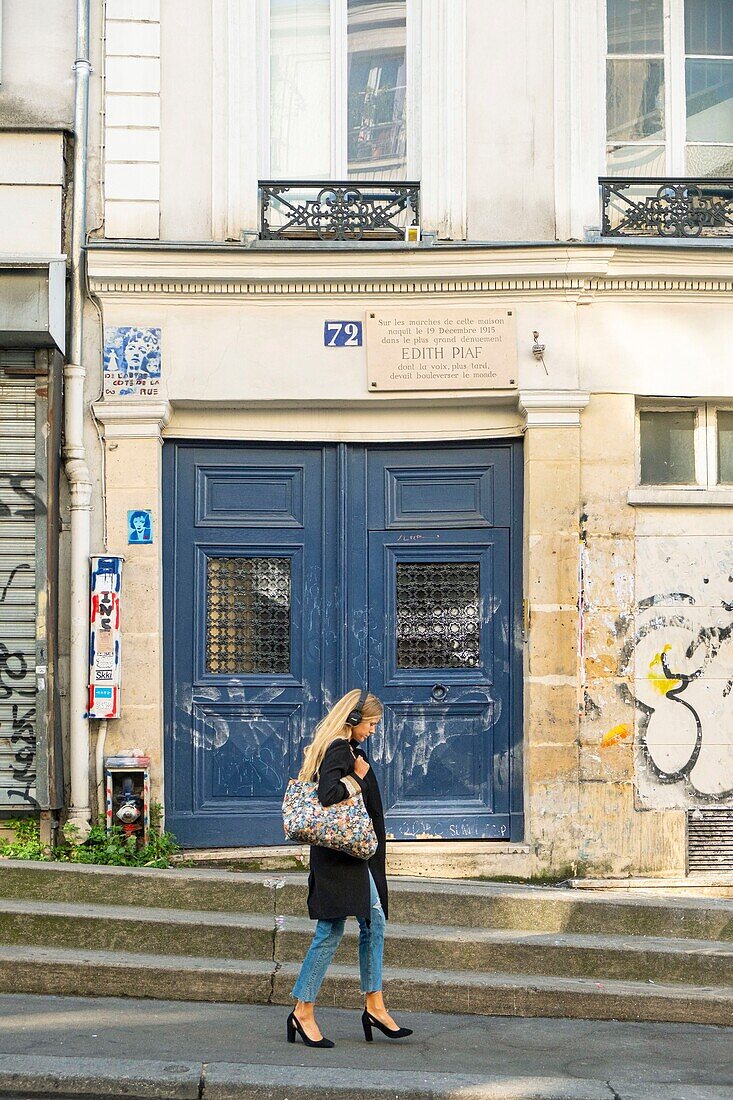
[(342, 334)]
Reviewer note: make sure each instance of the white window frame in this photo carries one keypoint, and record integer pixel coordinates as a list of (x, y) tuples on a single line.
[(675, 92), (713, 408), (679, 156), (338, 169), (665, 58), (699, 442), (436, 31), (705, 488)]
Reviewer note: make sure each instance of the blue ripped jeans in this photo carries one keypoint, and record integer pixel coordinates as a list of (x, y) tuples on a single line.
[(323, 948)]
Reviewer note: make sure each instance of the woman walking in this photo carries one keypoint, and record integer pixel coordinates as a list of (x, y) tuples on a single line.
[(339, 885)]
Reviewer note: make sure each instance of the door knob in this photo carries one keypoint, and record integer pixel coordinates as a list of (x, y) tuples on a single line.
[(438, 693)]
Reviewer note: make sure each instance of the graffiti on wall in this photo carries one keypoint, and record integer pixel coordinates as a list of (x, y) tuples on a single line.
[(676, 663), (17, 689), (19, 506), (132, 361)]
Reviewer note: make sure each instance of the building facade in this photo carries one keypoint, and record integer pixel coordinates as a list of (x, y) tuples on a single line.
[(414, 376)]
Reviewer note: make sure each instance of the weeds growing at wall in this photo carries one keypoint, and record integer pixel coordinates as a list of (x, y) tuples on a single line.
[(111, 848), (26, 843)]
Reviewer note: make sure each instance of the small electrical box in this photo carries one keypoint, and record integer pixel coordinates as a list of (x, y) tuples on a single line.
[(127, 779)]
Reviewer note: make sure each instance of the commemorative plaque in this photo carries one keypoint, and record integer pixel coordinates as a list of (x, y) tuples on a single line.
[(441, 348)]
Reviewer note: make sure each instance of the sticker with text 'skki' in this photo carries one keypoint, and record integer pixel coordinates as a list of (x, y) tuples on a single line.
[(342, 334)]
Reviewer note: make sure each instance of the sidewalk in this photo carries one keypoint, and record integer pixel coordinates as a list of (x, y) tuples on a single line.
[(177, 1050)]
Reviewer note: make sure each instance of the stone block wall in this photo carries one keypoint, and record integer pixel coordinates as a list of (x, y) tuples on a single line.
[(133, 480), (551, 748), (616, 835), (132, 119), (587, 790)]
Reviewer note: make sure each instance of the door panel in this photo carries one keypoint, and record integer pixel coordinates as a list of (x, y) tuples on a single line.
[(251, 650), (439, 660), (421, 487)]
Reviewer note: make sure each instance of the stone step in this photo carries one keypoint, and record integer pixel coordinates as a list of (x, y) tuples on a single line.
[(94, 973), (147, 1079), (258, 937), (447, 903)]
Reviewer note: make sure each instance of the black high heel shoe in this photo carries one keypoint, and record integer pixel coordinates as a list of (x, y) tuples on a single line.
[(368, 1022), (294, 1025)]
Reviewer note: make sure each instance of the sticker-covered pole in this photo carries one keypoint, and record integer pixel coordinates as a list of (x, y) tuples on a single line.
[(104, 637)]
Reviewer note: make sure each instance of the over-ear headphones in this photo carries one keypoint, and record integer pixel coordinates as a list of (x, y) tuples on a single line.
[(355, 716)]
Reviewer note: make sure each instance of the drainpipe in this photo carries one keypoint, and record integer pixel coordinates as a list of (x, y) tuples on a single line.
[(77, 471)]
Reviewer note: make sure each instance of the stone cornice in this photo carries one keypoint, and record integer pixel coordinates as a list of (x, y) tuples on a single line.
[(123, 418), (552, 408), (579, 273)]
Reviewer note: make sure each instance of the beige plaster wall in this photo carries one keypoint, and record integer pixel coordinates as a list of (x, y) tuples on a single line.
[(434, 421), (185, 120), (32, 178), (36, 95), (243, 351), (652, 345), (509, 82)]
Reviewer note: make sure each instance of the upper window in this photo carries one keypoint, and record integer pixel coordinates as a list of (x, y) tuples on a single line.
[(338, 89), (669, 87)]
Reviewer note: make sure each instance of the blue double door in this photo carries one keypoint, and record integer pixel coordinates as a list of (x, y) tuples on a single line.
[(293, 574)]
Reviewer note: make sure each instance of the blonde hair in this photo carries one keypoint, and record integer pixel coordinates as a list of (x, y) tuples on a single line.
[(334, 727)]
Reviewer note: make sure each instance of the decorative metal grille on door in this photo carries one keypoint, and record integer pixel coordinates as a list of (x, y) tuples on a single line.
[(248, 615), (438, 614)]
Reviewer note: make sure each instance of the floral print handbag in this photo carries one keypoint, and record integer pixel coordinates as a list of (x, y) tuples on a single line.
[(346, 827)]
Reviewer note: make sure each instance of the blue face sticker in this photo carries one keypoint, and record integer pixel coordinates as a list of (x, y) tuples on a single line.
[(132, 361), (139, 526)]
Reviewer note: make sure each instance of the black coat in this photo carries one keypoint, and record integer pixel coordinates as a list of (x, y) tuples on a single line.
[(338, 884)]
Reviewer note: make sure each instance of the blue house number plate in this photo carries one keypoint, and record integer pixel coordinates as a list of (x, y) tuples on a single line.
[(342, 334)]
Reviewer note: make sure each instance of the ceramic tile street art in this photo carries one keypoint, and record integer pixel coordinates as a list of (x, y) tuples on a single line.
[(139, 526), (678, 663), (104, 638), (132, 361)]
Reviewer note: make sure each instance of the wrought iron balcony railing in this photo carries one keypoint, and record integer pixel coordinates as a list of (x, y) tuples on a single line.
[(337, 211), (666, 207)]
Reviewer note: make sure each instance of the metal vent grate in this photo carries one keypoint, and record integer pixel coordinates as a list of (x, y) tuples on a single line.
[(709, 840)]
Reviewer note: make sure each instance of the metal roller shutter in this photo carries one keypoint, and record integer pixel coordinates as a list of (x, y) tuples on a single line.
[(17, 581)]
